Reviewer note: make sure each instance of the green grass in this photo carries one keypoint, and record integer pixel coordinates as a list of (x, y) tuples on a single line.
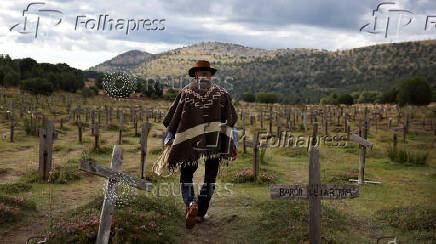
[(408, 157), (14, 209), (61, 174), (142, 220), (288, 221), (399, 206), (11, 188), (420, 221)]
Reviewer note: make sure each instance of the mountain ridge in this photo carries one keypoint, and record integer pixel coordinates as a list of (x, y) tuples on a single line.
[(298, 73)]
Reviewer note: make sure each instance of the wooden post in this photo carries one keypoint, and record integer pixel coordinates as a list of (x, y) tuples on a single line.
[(314, 197), (255, 155), (80, 128), (135, 121), (110, 116), (395, 142), (144, 135), (120, 136), (279, 134), (305, 121), (376, 122), (345, 122), (326, 130), (404, 134), (261, 119), (362, 153), (92, 121), (244, 136), (314, 192), (270, 119), (106, 111), (107, 210), (97, 137), (11, 109), (45, 150)]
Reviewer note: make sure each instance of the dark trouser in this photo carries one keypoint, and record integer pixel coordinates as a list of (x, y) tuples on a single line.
[(187, 172)]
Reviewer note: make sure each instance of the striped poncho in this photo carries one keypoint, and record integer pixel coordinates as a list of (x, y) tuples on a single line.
[(201, 118)]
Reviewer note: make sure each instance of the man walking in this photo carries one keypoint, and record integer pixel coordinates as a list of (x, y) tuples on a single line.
[(200, 125)]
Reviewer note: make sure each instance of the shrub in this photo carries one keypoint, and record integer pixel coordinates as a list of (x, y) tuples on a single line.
[(171, 94), (368, 96), (11, 78), (14, 209), (11, 188), (408, 158), (65, 174), (37, 86), (31, 127), (87, 92), (414, 91), (94, 88), (346, 99), (389, 96), (249, 97), (266, 97), (246, 175)]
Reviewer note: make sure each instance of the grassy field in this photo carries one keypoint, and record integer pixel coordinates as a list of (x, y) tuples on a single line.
[(67, 209)]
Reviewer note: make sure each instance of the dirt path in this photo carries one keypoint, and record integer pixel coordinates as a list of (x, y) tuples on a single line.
[(209, 231), (31, 227)]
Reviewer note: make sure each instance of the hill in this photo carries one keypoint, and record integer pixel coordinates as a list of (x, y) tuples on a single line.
[(296, 74), (125, 62)]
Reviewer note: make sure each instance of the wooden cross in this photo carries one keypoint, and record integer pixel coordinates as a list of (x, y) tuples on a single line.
[(314, 192), (113, 175), (363, 144)]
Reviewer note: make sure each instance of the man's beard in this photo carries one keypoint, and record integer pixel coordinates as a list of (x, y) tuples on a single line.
[(200, 79)]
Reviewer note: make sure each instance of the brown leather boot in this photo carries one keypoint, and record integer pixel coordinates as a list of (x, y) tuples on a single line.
[(191, 214)]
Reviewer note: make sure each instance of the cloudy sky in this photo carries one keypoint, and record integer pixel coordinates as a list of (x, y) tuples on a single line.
[(79, 41)]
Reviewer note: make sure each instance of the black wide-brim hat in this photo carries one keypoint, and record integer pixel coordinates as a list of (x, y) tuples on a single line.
[(201, 65)]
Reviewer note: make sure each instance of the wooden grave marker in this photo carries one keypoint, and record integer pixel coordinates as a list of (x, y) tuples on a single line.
[(314, 192), (144, 135), (45, 149), (113, 175), (363, 144)]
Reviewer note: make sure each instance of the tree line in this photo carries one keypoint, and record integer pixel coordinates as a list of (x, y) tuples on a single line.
[(39, 78), (412, 91)]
